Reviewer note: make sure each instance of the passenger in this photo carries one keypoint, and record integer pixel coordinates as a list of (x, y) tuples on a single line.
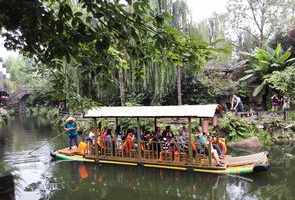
[(156, 141), (82, 148), (202, 143), (183, 139), (157, 134), (119, 131), (167, 133), (215, 145), (119, 142), (145, 140), (71, 129), (91, 136), (108, 138), (164, 148), (129, 142), (100, 141), (222, 145)]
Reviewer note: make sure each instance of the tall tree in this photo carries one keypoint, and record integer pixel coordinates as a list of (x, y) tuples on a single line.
[(258, 20), (263, 63)]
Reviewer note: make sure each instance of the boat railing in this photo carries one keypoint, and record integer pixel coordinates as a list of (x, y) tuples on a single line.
[(147, 152)]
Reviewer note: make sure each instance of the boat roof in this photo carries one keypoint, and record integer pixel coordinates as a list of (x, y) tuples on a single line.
[(200, 111)]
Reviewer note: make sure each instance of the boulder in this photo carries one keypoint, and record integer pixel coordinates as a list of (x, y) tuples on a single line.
[(250, 144)]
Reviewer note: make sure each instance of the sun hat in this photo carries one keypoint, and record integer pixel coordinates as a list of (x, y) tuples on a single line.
[(70, 118)]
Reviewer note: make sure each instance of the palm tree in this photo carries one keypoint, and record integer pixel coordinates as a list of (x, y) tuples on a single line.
[(263, 62)]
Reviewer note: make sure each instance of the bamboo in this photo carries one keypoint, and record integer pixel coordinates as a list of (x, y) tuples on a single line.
[(210, 153), (96, 135), (138, 141), (190, 152)]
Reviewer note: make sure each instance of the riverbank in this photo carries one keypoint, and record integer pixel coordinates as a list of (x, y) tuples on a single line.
[(268, 127), (42, 179)]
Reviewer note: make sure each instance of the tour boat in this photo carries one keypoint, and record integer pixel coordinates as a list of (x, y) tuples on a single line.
[(151, 157)]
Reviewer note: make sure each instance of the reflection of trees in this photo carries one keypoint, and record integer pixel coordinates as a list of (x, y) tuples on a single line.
[(116, 182), (279, 183)]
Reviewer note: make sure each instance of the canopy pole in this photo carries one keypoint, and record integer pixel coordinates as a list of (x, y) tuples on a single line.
[(138, 140), (116, 122), (155, 124), (190, 152), (210, 153), (96, 136), (209, 146)]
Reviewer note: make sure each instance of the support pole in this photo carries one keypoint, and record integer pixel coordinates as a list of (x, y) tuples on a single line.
[(155, 124), (210, 144), (190, 150), (210, 153), (138, 140), (116, 122), (95, 143)]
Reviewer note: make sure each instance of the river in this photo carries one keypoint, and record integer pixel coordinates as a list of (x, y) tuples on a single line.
[(41, 178)]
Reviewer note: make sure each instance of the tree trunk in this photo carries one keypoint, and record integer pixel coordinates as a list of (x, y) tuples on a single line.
[(178, 83), (264, 98), (122, 87)]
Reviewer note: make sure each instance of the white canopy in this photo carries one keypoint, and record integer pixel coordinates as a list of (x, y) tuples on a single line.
[(153, 111)]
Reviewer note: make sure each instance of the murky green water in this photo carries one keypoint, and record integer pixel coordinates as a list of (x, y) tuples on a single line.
[(40, 178)]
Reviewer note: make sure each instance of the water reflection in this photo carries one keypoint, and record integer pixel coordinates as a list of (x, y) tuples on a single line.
[(76, 180), (43, 179)]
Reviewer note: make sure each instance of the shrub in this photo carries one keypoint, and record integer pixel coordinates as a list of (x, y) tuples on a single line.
[(237, 128)]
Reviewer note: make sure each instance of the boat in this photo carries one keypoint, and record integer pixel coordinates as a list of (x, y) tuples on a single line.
[(148, 155)]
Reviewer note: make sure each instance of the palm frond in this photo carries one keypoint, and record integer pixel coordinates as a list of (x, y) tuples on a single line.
[(259, 89)]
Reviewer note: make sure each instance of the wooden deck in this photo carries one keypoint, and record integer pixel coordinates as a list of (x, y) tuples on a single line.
[(244, 160), (198, 161)]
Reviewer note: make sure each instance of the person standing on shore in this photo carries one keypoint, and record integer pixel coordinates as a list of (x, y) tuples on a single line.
[(71, 129), (286, 106), (237, 104)]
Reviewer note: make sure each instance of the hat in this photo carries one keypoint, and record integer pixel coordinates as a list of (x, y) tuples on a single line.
[(70, 119)]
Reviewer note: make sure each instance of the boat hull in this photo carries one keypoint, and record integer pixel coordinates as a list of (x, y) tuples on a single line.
[(240, 169)]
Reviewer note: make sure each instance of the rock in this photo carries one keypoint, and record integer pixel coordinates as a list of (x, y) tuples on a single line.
[(289, 155), (249, 144), (32, 187)]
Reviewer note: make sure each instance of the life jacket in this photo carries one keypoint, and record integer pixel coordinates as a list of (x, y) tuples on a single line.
[(82, 148), (128, 144), (100, 141), (222, 145), (194, 146)]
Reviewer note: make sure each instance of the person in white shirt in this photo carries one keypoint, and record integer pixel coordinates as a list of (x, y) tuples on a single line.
[(237, 104)]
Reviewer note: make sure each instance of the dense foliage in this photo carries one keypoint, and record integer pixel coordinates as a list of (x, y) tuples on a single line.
[(237, 128), (110, 52)]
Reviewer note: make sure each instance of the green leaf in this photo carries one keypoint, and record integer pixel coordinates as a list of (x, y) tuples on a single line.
[(246, 77), (259, 89)]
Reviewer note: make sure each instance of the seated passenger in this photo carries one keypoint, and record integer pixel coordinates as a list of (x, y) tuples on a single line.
[(222, 145), (128, 143), (202, 143), (167, 133), (82, 147), (100, 140), (119, 137), (108, 138), (183, 139)]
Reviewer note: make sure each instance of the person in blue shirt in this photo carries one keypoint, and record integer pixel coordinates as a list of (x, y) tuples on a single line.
[(71, 129)]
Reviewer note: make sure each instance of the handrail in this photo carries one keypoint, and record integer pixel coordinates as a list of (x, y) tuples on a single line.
[(150, 151)]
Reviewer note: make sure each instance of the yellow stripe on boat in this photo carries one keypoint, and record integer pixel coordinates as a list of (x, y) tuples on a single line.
[(165, 167), (117, 162)]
